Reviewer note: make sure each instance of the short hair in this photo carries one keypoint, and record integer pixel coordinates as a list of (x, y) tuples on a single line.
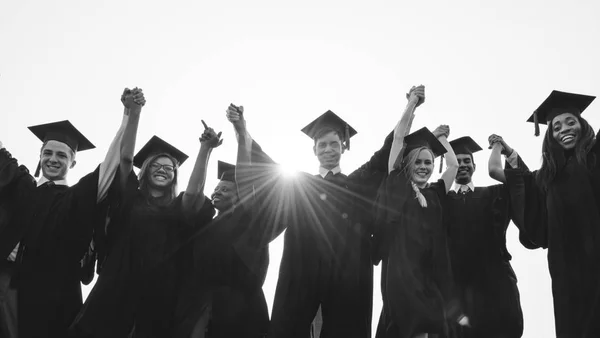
[(73, 152), (326, 130)]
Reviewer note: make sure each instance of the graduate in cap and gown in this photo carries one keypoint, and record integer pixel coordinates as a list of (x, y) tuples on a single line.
[(476, 219), (50, 228), (141, 270), (419, 297), (231, 254), (560, 209), (326, 256)]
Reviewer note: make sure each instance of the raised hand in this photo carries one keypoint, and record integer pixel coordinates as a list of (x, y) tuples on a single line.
[(209, 137), (133, 98), (497, 139), (416, 94), (442, 130), (235, 115)]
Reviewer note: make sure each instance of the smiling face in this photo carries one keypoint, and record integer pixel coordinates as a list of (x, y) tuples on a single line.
[(566, 130), (329, 150), (466, 167), (161, 173), (224, 196), (422, 167), (56, 158)]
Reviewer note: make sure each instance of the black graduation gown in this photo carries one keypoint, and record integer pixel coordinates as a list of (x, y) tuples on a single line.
[(139, 278), (326, 256), (417, 283), (477, 223), (231, 259), (565, 219), (55, 229)]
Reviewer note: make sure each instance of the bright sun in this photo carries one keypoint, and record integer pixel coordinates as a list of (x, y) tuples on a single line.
[(288, 170)]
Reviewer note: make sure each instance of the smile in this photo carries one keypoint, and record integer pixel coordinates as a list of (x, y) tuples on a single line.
[(567, 138)]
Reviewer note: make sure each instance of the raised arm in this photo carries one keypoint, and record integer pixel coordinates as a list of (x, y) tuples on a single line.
[(495, 163), (133, 100), (416, 97), (442, 132), (109, 166), (243, 167), (500, 147), (193, 198)]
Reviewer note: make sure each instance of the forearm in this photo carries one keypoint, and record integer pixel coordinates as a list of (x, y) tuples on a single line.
[(128, 143), (108, 167), (243, 177), (495, 164), (451, 163), (193, 198), (400, 131)]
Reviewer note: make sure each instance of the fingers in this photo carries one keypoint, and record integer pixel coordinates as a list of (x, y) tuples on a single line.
[(204, 123)]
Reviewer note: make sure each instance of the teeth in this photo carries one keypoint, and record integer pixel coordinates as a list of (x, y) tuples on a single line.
[(567, 138)]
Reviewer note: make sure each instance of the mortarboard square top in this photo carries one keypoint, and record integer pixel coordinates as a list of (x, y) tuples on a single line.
[(423, 138), (226, 171), (330, 120), (155, 146), (465, 145), (558, 103), (62, 131)]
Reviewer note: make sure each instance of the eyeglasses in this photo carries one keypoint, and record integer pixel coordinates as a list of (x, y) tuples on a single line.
[(155, 166)]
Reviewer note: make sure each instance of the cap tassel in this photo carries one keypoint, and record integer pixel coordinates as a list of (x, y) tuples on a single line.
[(38, 169), (441, 163), (536, 123), (347, 136)]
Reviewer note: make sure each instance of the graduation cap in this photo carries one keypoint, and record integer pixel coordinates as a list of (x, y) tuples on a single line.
[(559, 103), (64, 132), (155, 146), (330, 120), (424, 138), (465, 145), (226, 171)]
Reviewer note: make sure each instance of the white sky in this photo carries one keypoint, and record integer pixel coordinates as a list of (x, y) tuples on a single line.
[(485, 68)]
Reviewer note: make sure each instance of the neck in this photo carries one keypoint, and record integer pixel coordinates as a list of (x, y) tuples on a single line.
[(155, 192), (421, 185)]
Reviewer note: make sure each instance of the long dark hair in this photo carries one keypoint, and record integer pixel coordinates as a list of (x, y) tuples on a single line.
[(554, 157), (170, 195)]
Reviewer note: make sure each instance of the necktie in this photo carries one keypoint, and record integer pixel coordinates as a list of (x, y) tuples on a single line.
[(464, 189), (329, 176)]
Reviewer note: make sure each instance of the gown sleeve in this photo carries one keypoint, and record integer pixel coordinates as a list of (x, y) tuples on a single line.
[(528, 207), (16, 184)]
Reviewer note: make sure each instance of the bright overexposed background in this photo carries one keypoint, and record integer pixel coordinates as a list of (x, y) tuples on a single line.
[(486, 66)]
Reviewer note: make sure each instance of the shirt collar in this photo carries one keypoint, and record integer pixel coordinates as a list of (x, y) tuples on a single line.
[(43, 180), (456, 187), (323, 172)]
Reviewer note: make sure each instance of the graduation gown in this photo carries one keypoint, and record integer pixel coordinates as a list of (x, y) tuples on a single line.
[(417, 283), (231, 259), (140, 276), (326, 257), (53, 224), (476, 222), (565, 219)]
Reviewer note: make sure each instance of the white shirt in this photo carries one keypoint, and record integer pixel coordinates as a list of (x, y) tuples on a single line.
[(323, 172), (462, 187)]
